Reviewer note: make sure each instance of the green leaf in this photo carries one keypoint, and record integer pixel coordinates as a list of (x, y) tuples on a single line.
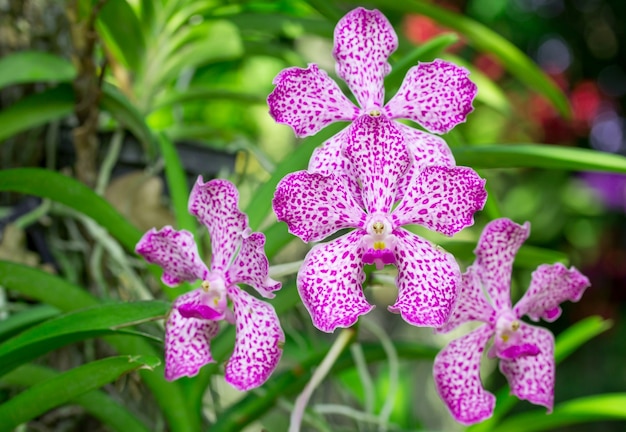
[(261, 202), (177, 183), (34, 66), (72, 193), (586, 409), (566, 343), (45, 287), (538, 156), (24, 319), (75, 326), (67, 386), (120, 29), (485, 39), (36, 110), (169, 98), (99, 404)]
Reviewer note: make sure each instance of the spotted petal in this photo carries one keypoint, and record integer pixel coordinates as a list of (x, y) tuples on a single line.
[(437, 95), (379, 156), (471, 304), (187, 341), (308, 100), (442, 199), (315, 206), (329, 159), (175, 252), (364, 40), (550, 286), (532, 377), (258, 343), (330, 280), (215, 204), (428, 281), (456, 371), (251, 266), (495, 253)]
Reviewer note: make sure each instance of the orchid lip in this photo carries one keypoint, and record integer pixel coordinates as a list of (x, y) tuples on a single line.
[(379, 242)]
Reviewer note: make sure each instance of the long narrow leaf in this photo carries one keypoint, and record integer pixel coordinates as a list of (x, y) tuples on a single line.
[(538, 156), (98, 404), (34, 66), (67, 386), (75, 326), (72, 193), (27, 318), (120, 29)]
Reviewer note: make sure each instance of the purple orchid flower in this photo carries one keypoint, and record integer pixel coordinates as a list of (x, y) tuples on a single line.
[(237, 257), (315, 206), (436, 95), (526, 352)]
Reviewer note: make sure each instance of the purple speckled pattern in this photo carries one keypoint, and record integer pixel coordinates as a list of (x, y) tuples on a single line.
[(364, 40), (428, 281), (175, 252), (378, 156), (525, 352), (314, 205), (442, 199), (187, 341), (456, 372), (329, 282), (258, 343), (308, 100), (495, 253), (251, 266), (472, 305), (550, 286), (215, 204), (532, 377), (437, 95)]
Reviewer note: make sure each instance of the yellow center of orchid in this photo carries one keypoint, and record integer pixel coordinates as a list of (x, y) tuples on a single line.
[(379, 245), (206, 286), (378, 227), (375, 113)]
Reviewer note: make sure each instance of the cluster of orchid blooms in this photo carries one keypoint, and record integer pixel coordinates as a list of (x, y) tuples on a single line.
[(374, 177)]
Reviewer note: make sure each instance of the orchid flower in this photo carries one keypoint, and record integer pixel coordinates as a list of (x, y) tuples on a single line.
[(237, 257), (526, 352), (315, 206), (436, 95)]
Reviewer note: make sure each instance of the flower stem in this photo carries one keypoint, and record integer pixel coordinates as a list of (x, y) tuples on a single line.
[(336, 349)]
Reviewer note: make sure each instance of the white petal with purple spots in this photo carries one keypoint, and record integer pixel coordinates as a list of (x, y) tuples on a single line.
[(308, 100), (330, 280), (364, 40), (437, 95), (175, 252), (215, 204), (428, 281), (258, 344)]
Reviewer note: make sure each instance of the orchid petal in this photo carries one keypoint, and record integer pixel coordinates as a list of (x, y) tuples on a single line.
[(215, 204), (315, 206), (308, 100), (495, 253), (456, 371), (364, 40), (201, 305), (550, 286), (442, 199), (187, 341), (330, 280), (258, 343), (252, 267), (532, 377), (379, 156), (437, 95), (329, 159), (428, 281), (471, 304), (175, 252)]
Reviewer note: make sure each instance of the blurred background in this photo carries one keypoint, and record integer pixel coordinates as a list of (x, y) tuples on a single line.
[(200, 79)]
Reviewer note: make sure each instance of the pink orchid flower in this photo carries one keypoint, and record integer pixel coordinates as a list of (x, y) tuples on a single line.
[(436, 95), (237, 257), (315, 206), (526, 352)]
